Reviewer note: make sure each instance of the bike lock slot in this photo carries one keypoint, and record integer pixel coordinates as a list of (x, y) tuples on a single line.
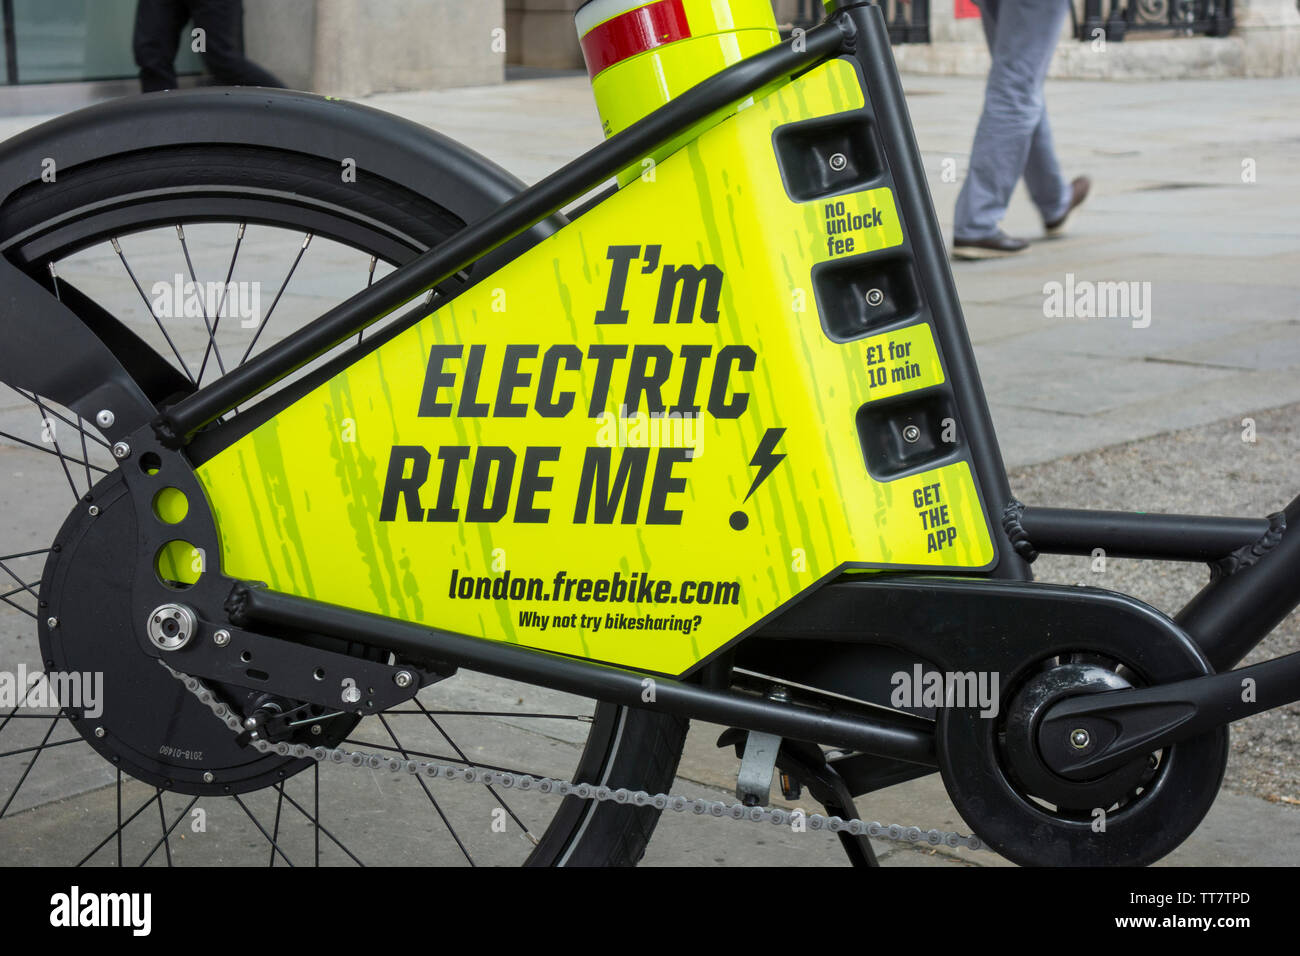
[(900, 737), (905, 434), (867, 294), (828, 156)]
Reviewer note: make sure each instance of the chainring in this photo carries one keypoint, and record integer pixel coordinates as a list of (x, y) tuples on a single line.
[(1131, 816)]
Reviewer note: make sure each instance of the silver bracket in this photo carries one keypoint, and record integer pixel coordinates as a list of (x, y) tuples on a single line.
[(754, 782)]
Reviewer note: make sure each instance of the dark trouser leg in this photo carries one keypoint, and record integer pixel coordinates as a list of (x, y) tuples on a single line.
[(158, 25), (223, 23)]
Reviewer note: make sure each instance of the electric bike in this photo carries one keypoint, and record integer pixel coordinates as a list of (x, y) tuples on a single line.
[(528, 478)]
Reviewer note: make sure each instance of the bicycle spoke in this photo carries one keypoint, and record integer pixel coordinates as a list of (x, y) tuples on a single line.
[(165, 838), (157, 321), (320, 827), (162, 822), (78, 424), (45, 422), (275, 847), (429, 793), (276, 301), (85, 453), (23, 779), (10, 716), (24, 554), (48, 451), (42, 747), (491, 789), (203, 305), (369, 281), (121, 824), (225, 290), (22, 585), (275, 831), (18, 607)]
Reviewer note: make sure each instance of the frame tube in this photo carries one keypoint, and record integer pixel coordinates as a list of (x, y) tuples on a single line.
[(1131, 534), (534, 204), (901, 737), (1235, 611)]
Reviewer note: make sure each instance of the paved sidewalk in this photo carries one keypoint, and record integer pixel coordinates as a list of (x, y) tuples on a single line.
[(1170, 208)]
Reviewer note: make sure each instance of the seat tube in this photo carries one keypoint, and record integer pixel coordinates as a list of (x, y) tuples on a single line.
[(640, 54)]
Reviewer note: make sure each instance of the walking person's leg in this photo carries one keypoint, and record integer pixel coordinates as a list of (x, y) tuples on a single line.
[(1054, 197), (156, 37), (1023, 36), (1047, 187), (223, 23)]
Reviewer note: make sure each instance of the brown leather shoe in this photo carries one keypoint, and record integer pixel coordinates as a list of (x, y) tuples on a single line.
[(994, 247), (1078, 193)]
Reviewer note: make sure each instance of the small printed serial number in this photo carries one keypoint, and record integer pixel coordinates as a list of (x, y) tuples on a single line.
[(177, 752)]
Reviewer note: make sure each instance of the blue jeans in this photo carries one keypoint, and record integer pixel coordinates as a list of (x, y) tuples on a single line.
[(1013, 137)]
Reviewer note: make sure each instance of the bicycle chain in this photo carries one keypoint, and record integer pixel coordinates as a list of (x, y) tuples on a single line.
[(584, 791)]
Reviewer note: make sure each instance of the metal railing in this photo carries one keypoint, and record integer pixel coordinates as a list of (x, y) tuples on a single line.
[(908, 20), (1113, 19)]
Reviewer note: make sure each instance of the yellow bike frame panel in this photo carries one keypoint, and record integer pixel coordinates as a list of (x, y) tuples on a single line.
[(502, 468)]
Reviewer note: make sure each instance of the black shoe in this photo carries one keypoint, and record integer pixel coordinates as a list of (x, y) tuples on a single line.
[(994, 247), (1078, 193)]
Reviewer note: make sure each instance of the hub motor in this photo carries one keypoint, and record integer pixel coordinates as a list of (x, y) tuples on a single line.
[(132, 711)]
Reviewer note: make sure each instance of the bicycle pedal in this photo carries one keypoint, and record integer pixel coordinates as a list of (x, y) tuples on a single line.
[(791, 788)]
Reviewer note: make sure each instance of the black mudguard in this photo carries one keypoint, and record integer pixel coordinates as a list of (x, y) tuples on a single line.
[(35, 326)]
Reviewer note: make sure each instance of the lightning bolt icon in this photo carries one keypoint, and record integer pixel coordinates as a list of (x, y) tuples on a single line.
[(765, 458)]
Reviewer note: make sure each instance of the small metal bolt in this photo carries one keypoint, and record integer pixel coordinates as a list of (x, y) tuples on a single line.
[(94, 510), (250, 722), (315, 730), (875, 297), (1079, 739), (99, 731), (207, 776), (221, 638), (104, 418), (403, 679), (839, 161), (51, 622), (351, 694), (911, 434), (121, 450)]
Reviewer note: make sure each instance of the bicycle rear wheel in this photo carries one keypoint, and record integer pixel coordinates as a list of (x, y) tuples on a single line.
[(120, 240)]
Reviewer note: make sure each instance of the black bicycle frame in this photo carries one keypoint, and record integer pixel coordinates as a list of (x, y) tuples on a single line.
[(1255, 563)]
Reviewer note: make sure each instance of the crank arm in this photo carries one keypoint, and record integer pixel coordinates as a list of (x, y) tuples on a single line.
[(231, 655), (1085, 737)]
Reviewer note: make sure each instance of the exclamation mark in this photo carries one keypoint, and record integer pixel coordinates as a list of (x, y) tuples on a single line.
[(765, 460)]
